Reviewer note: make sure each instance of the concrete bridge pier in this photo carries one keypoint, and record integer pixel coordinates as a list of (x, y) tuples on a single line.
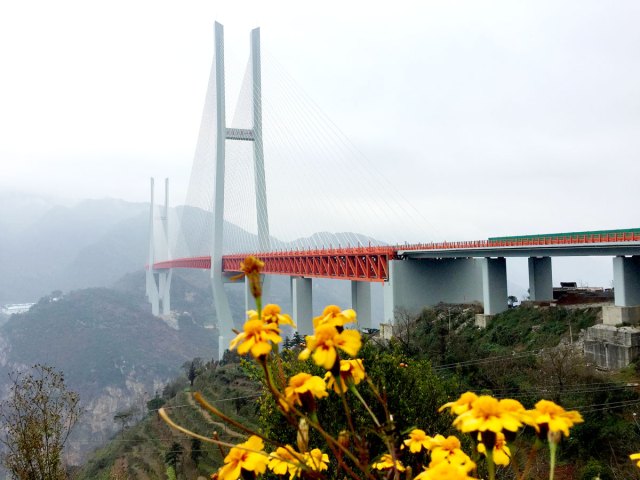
[(164, 290), (416, 283), (361, 303), (159, 291), (301, 301), (494, 285), (626, 283), (152, 293), (540, 279)]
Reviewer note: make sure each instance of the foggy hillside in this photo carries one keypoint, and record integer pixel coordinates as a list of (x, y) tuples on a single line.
[(83, 264), (60, 246), (48, 244)]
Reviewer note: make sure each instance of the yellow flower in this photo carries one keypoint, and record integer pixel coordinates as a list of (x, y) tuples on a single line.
[(248, 456), (634, 457), (443, 448), (317, 460), (448, 450), (324, 343), (549, 416), (332, 315), (303, 387), (501, 454), (386, 462), (271, 314), (285, 460), (418, 439), (350, 371), (489, 414), (444, 471), (256, 338), (463, 404), (514, 407)]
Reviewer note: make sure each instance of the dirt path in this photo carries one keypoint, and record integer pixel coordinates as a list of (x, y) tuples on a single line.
[(207, 416)]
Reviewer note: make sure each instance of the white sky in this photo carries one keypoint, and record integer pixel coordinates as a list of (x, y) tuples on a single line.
[(492, 117)]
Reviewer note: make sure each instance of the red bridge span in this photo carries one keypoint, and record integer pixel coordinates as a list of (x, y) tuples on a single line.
[(371, 263)]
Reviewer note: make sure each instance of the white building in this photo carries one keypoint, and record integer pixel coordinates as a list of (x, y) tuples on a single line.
[(11, 308)]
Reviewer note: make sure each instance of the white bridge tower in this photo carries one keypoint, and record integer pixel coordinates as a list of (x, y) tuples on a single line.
[(158, 291), (224, 134)]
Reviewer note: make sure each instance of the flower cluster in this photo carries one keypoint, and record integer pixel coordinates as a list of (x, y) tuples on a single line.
[(297, 400), (330, 336), (491, 423), (447, 458)]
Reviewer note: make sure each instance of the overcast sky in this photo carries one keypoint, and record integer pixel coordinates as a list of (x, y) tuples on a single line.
[(492, 117)]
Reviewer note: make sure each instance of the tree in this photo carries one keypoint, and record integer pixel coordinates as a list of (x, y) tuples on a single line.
[(155, 403), (124, 417), (196, 450), (173, 456), (193, 369), (36, 419)]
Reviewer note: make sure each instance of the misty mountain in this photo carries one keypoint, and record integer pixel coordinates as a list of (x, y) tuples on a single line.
[(46, 246), (19, 210), (199, 224)]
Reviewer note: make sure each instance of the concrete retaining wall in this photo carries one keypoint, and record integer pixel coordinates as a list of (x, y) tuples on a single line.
[(611, 347)]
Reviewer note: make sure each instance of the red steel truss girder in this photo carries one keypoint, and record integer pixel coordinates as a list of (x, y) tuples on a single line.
[(366, 264), (193, 262)]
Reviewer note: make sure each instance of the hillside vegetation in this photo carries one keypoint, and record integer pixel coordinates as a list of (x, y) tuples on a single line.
[(141, 451), (525, 354), (113, 352)]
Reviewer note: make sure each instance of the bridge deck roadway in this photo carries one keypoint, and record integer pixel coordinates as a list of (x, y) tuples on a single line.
[(611, 249)]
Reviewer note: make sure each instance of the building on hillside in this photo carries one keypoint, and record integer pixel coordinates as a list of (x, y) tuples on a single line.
[(11, 308)]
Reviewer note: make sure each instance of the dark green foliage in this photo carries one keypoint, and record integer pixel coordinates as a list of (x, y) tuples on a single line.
[(195, 452), (595, 469), (193, 369), (155, 403), (518, 356), (174, 455), (412, 393)]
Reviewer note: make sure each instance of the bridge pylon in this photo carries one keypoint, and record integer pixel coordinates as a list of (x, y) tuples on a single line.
[(158, 281), (254, 135)]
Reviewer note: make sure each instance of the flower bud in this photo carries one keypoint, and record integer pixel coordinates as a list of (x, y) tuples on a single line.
[(343, 438), (554, 436), (303, 436)]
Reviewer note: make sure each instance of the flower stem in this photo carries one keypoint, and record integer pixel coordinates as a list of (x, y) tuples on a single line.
[(532, 454), (553, 446), (491, 466), (259, 306), (354, 390), (347, 413)]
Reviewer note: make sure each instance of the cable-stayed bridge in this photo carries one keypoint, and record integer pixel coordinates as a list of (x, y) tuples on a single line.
[(318, 182)]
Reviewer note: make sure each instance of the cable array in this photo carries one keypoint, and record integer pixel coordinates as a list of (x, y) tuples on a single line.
[(321, 190)]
